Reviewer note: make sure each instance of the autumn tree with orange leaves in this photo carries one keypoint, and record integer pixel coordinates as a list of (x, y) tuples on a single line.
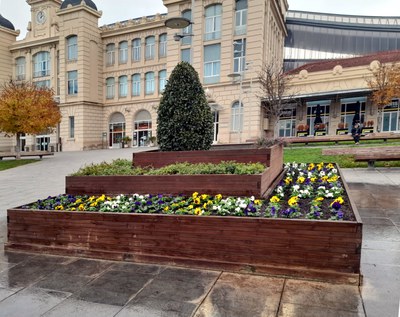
[(27, 108), (385, 86)]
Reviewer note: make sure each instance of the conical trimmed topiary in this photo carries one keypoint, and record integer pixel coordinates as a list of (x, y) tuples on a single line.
[(184, 121)]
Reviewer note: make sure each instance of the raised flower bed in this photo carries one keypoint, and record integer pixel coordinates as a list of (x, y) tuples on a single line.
[(179, 234), (237, 185)]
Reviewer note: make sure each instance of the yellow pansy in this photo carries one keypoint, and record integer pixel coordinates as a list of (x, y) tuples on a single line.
[(301, 179), (198, 211), (166, 208), (293, 201), (218, 197), (81, 207), (195, 194), (274, 199), (60, 207), (204, 196)]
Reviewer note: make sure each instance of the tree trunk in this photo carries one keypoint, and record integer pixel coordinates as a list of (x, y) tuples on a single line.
[(18, 147)]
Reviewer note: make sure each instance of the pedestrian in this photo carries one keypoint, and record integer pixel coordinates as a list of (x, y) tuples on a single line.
[(356, 132)]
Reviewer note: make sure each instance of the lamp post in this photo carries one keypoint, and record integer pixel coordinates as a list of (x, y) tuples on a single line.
[(181, 23)]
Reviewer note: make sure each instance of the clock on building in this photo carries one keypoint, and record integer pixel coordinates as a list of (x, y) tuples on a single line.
[(40, 17)]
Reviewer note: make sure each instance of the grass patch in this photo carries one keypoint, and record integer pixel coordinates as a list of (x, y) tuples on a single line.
[(4, 165), (314, 155)]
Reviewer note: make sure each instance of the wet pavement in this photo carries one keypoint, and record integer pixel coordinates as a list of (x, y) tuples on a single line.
[(44, 285)]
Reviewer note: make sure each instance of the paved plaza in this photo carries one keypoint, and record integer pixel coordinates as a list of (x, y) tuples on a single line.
[(41, 285)]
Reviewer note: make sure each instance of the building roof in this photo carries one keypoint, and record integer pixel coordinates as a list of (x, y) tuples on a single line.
[(5, 23), (383, 57), (89, 3)]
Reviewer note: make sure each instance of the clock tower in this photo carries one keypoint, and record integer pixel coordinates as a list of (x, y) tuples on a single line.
[(44, 20)]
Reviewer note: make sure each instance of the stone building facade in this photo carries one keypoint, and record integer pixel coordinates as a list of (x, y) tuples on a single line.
[(109, 79)]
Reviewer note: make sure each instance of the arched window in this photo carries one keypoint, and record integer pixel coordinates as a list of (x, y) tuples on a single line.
[(136, 85), (240, 17), (162, 80), (142, 131), (123, 86), (213, 18), (123, 52), (136, 50), (41, 64), (110, 87), (187, 40), (110, 54), (149, 81), (150, 47), (237, 117), (72, 48), (116, 129), (20, 68), (162, 45)]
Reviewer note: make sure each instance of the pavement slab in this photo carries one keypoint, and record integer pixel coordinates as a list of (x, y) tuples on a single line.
[(237, 295)]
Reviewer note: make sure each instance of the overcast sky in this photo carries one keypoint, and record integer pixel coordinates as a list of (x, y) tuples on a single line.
[(18, 11)]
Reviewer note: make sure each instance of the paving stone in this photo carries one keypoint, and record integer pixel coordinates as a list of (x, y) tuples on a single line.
[(391, 257), (296, 310), (72, 307), (328, 296), (138, 268), (85, 267), (30, 302), (237, 295), (64, 282), (381, 233), (114, 287)]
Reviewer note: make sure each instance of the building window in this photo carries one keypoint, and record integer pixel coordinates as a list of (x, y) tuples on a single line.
[(185, 55), (187, 40), (136, 50), (73, 82), (349, 108), (239, 55), (41, 64), (237, 117), (318, 109), (150, 45), (287, 122), (123, 86), (71, 127), (20, 63), (162, 80), (110, 52), (136, 85), (162, 48), (42, 83), (391, 116), (213, 22), (240, 17), (212, 63), (123, 52), (72, 48), (149, 79), (110, 87)]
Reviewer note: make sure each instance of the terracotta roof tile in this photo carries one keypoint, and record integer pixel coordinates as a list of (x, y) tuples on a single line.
[(383, 57)]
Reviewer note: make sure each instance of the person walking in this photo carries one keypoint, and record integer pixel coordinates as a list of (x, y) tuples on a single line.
[(356, 132)]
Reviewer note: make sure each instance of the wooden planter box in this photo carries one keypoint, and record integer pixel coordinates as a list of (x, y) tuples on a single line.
[(302, 133), (302, 248), (236, 185), (342, 131)]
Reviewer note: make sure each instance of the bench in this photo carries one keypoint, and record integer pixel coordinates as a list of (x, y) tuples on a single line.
[(371, 158), (24, 154), (340, 138)]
